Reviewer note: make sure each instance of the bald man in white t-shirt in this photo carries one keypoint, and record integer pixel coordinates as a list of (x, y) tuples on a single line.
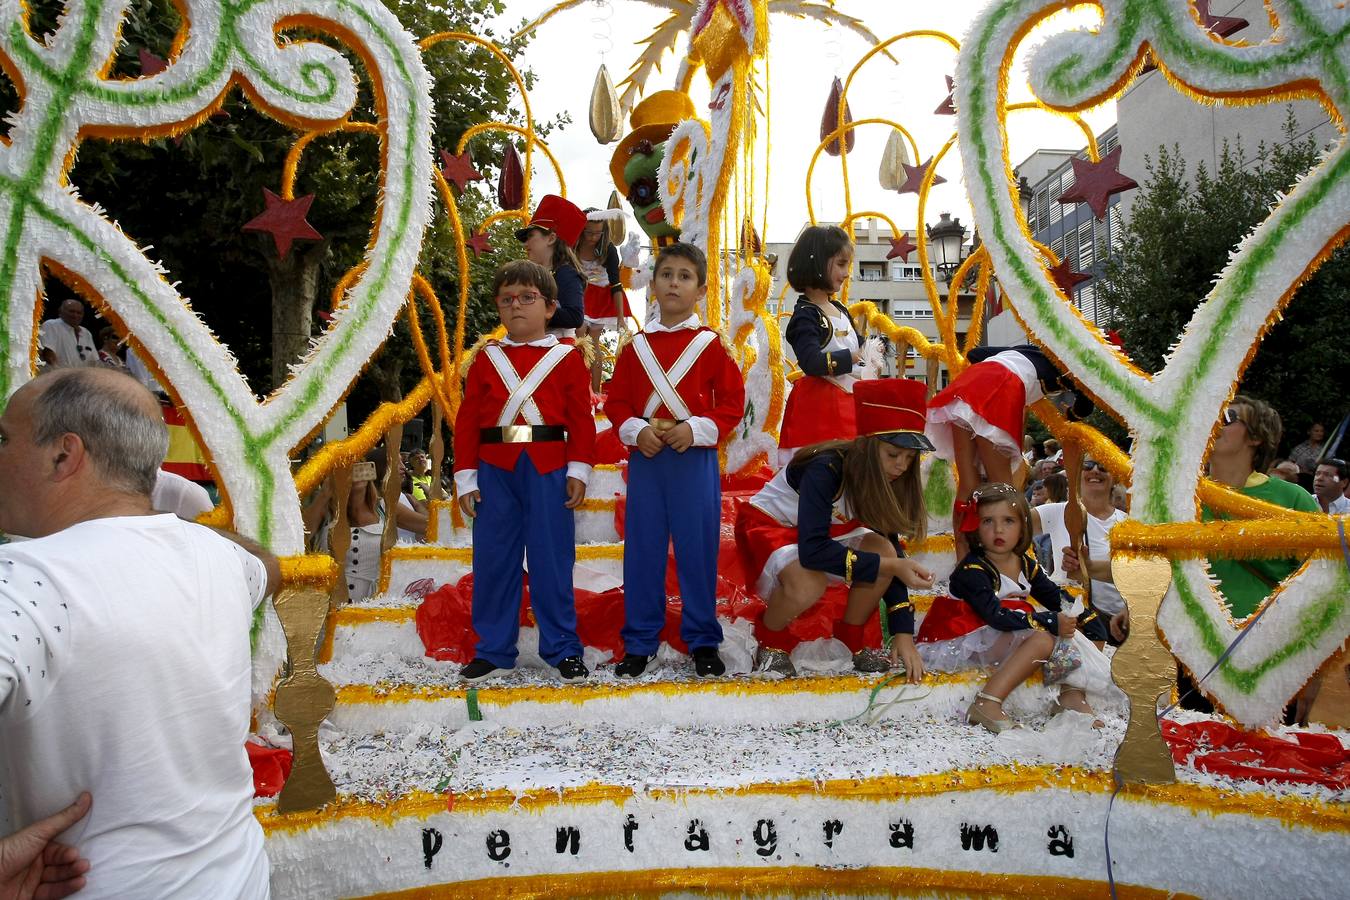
[(124, 663)]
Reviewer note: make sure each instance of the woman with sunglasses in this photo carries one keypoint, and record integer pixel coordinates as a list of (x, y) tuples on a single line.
[(1106, 619), (554, 228)]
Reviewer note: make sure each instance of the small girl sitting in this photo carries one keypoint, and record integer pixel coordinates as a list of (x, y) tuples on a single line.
[(978, 418), (989, 621)]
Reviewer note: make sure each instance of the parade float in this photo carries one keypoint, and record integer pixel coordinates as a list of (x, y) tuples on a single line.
[(404, 782)]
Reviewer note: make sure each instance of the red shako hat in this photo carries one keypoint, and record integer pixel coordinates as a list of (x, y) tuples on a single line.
[(893, 409), (560, 216)]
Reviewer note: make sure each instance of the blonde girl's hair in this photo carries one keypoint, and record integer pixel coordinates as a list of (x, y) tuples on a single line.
[(998, 492), (885, 506)]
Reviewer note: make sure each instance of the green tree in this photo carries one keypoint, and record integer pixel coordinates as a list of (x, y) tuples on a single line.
[(189, 196), (1181, 234)]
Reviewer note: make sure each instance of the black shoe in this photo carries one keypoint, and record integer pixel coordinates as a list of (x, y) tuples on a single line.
[(573, 669), (707, 664), (478, 669), (632, 665)]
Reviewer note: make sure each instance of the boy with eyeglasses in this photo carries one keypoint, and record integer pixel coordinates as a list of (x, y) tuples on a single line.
[(524, 442)]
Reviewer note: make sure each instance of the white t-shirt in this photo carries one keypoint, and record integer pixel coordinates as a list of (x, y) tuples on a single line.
[(1105, 597), (70, 349), (176, 494), (124, 671)]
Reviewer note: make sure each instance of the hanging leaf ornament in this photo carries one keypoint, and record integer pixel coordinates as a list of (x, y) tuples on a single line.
[(893, 161), (830, 121), (606, 117), (618, 230), (511, 181)]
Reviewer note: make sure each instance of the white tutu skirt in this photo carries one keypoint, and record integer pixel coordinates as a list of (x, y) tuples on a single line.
[(986, 647)]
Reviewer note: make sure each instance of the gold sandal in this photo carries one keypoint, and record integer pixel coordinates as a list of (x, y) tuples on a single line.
[(977, 716)]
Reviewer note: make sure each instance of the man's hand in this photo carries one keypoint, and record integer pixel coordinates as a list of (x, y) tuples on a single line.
[(680, 438), (469, 503), (34, 865), (1070, 565), (649, 443), (1067, 625), (903, 651), (576, 492), (1120, 625), (911, 573)]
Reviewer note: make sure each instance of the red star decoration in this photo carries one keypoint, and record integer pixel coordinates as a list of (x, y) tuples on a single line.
[(914, 177), (150, 63), (459, 170), (946, 107), (1220, 26), (479, 244), (1114, 337), (902, 247), (285, 221), (1066, 278), (1095, 182)]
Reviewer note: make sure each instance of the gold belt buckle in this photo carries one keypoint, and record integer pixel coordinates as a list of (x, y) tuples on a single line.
[(661, 426), (517, 434)]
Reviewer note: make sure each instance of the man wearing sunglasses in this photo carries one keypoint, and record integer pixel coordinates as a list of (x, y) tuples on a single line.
[(64, 341), (1244, 448)]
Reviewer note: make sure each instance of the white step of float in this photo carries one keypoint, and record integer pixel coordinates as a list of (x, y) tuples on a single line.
[(595, 808)]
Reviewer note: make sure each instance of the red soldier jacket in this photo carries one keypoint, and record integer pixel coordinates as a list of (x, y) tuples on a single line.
[(543, 384), (708, 384)]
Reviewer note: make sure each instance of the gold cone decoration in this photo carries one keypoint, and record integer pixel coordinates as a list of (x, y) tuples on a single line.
[(750, 241), (893, 161), (618, 231), (830, 120), (606, 117)]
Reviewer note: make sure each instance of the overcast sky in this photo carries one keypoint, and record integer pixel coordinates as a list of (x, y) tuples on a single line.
[(804, 56)]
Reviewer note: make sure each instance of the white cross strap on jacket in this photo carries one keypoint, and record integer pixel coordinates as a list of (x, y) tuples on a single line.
[(521, 402), (664, 381)]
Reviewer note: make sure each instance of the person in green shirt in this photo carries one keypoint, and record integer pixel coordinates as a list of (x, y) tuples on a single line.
[(1243, 450)]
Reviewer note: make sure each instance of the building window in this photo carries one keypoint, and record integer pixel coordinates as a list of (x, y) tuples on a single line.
[(873, 272)]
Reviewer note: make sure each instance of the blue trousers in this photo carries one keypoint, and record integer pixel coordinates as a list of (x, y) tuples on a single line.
[(672, 496), (522, 511)]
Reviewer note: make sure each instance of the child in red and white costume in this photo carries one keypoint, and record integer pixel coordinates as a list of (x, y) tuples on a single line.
[(524, 444), (979, 418), (841, 511), (824, 341), (675, 395), (605, 302)]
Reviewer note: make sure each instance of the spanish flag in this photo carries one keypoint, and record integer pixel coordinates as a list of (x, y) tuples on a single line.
[(185, 456)]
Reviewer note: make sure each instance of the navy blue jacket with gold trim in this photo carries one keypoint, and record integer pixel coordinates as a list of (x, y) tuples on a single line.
[(808, 332), (975, 581), (818, 483)]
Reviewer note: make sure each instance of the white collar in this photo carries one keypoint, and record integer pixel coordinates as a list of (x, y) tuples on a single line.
[(691, 323), (547, 340)]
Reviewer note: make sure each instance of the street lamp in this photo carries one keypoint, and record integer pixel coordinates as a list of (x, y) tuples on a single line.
[(1024, 196), (947, 239)]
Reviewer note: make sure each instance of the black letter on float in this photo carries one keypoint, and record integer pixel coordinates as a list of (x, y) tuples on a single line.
[(974, 837), (902, 835), (498, 845), (629, 826), (569, 839), (1061, 844), (833, 827), (431, 845), (697, 838), (766, 837)]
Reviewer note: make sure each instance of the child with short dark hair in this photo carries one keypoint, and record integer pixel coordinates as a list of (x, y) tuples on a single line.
[(524, 439), (827, 346), (676, 393)]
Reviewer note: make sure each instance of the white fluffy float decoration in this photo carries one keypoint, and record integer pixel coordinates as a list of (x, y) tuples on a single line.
[(1173, 413)]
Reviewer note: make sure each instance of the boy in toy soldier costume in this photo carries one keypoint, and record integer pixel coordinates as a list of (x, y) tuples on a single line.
[(675, 394), (524, 439)]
